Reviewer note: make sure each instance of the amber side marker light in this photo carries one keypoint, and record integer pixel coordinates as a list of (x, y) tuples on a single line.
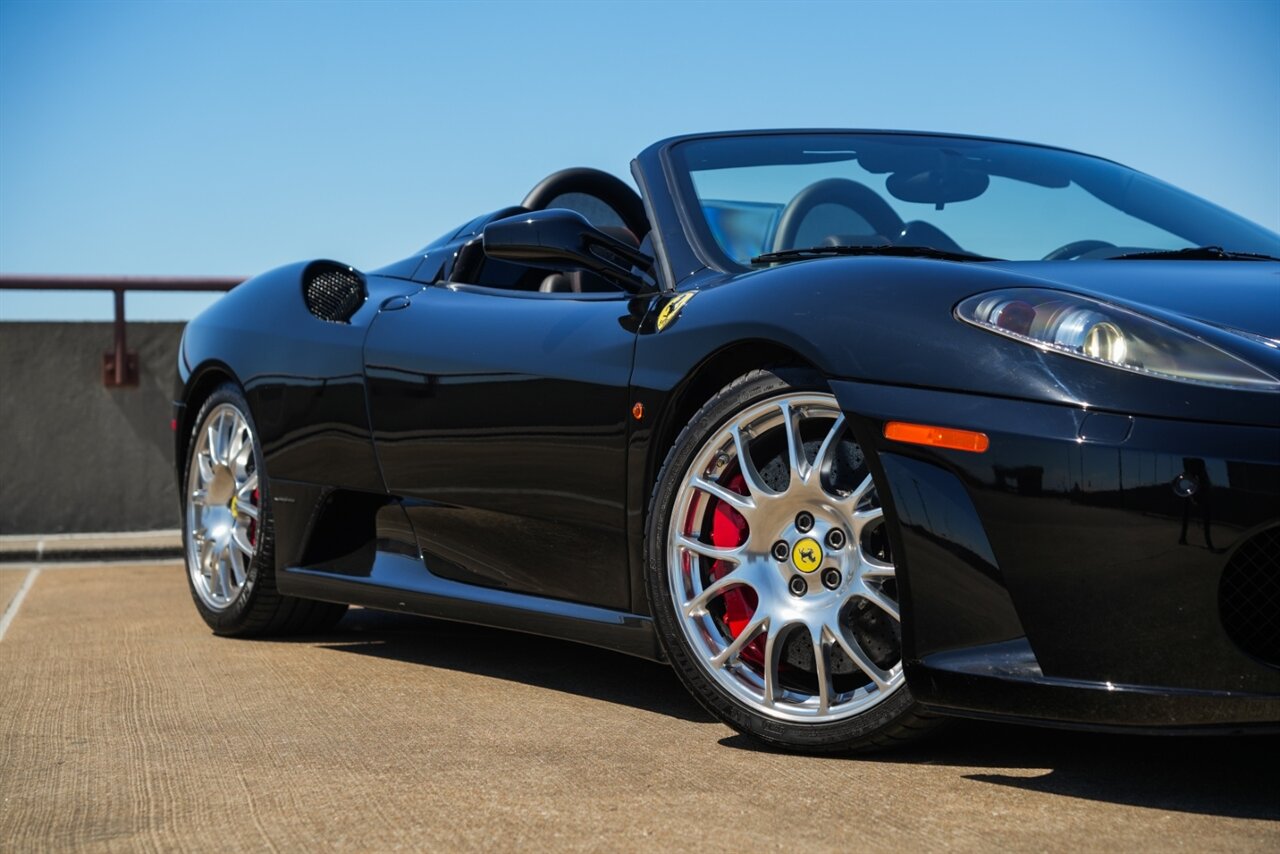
[(937, 437)]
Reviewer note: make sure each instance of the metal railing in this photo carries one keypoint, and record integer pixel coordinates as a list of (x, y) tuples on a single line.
[(119, 365)]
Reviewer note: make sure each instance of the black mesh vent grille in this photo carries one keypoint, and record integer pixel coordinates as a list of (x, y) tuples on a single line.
[(332, 292), (1249, 596)]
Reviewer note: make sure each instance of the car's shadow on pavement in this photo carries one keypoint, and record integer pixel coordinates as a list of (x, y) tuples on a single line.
[(1211, 775), (529, 659), (1234, 777)]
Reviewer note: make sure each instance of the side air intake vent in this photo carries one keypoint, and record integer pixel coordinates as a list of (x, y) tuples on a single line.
[(333, 291), (1249, 596)]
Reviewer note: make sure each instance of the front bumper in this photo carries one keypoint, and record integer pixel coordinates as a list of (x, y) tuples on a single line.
[(1060, 578)]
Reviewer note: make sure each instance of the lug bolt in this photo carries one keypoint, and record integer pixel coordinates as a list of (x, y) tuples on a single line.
[(831, 578), (804, 521), (798, 586), (781, 551), (835, 539)]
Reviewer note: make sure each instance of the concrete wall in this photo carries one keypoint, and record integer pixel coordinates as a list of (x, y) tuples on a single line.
[(76, 456)]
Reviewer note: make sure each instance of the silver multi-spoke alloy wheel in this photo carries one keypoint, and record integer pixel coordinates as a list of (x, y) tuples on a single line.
[(222, 504), (812, 555)]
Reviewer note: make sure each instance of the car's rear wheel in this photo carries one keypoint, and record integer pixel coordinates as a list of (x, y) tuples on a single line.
[(771, 575), (228, 536)]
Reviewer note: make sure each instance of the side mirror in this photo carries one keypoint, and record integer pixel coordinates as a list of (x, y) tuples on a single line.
[(563, 240)]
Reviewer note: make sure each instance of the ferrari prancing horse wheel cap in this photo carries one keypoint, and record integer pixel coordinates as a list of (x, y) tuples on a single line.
[(806, 554)]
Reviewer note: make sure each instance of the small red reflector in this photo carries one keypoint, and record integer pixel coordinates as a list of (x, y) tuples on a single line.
[(637, 411), (937, 437), (173, 424)]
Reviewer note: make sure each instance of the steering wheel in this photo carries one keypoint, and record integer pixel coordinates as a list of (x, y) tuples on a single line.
[(859, 198), (624, 201), (1076, 248)]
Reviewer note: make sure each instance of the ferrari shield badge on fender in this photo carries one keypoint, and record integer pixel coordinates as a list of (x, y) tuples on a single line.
[(671, 309)]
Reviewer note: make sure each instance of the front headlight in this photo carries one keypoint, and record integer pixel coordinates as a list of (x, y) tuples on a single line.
[(1109, 335)]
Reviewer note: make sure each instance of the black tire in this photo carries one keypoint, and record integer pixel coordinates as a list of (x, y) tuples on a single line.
[(894, 721), (258, 609)]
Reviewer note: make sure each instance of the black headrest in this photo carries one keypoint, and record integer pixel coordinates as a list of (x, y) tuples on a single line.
[(561, 283), (617, 232)]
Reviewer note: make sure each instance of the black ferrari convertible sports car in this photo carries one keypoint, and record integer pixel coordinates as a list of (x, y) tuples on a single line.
[(856, 429)]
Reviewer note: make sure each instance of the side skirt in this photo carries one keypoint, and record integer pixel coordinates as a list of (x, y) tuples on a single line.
[(401, 583)]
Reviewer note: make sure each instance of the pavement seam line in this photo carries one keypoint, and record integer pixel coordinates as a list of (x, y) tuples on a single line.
[(94, 564), (12, 611)]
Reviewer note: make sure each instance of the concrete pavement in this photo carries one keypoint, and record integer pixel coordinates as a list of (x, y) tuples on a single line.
[(126, 725)]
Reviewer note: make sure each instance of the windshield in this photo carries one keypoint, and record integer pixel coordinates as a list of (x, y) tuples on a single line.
[(752, 195)]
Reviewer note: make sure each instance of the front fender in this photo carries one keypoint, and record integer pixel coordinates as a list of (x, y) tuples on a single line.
[(891, 320)]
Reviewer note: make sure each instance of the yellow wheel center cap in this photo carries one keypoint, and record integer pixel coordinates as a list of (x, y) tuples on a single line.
[(806, 554)]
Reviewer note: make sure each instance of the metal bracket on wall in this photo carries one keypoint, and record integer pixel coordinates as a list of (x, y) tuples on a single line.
[(115, 375), (119, 365)]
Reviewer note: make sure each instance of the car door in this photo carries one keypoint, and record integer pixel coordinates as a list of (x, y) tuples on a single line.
[(500, 418)]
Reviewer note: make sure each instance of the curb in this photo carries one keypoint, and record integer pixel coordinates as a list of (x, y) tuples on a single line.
[(114, 546)]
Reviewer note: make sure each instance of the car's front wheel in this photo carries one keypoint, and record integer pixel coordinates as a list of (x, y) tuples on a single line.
[(228, 536), (770, 572)]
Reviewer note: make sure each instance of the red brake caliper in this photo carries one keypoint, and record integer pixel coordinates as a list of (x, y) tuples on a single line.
[(729, 530)]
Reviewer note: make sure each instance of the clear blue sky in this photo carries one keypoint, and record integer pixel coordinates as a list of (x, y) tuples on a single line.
[(231, 137)]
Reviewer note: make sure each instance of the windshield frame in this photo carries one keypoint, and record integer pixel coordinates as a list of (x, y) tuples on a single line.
[(688, 206)]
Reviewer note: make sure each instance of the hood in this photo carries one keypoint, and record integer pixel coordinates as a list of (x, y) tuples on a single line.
[(1238, 295)]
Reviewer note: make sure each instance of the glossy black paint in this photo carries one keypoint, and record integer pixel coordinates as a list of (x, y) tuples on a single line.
[(476, 447), (303, 377), (1113, 574), (502, 419)]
